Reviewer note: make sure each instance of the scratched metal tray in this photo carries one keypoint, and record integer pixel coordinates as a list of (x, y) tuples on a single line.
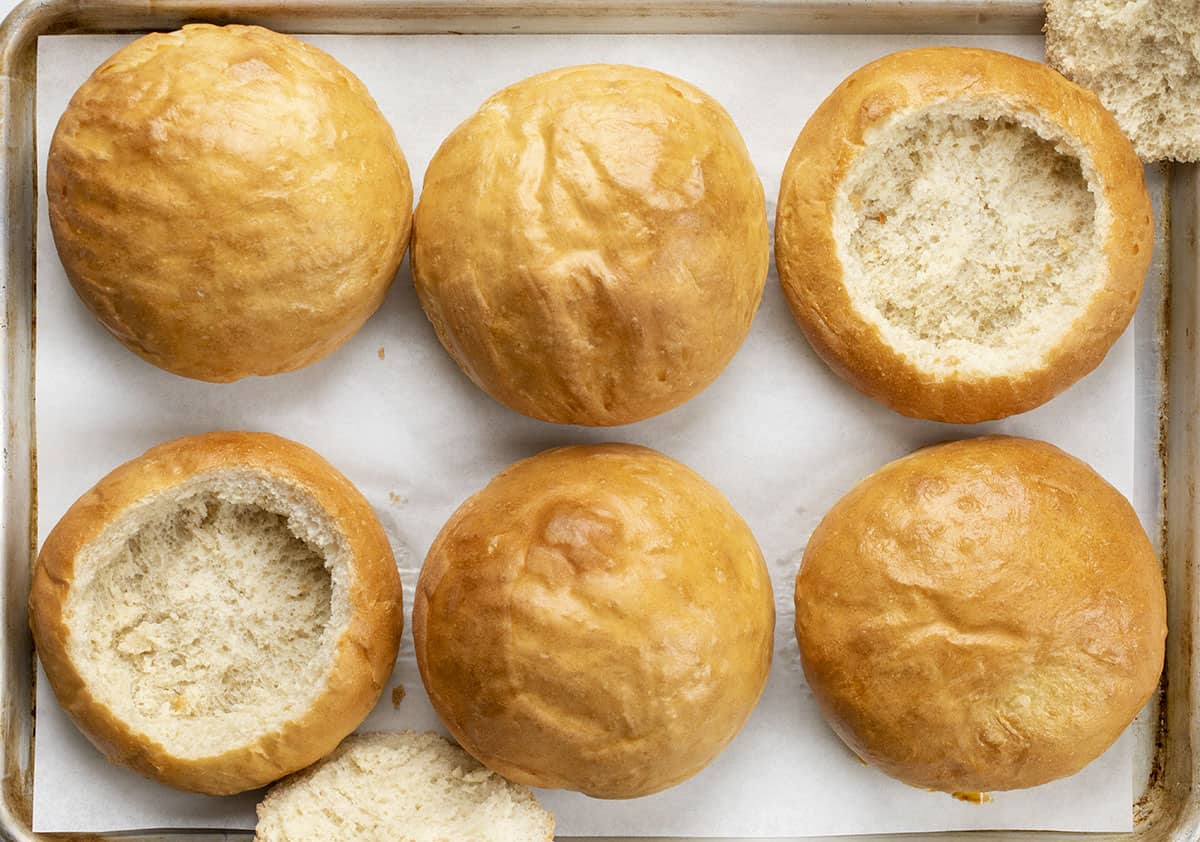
[(1166, 806)]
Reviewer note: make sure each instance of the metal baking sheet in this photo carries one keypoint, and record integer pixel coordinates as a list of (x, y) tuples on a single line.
[(1164, 806)]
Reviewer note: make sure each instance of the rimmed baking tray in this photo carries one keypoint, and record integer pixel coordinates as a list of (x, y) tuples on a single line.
[(1166, 805)]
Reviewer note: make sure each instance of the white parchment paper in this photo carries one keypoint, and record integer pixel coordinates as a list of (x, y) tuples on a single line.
[(779, 434)]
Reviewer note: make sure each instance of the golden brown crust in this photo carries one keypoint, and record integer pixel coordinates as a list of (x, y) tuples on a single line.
[(981, 615), (366, 651), (591, 245), (227, 201), (811, 273), (598, 618)]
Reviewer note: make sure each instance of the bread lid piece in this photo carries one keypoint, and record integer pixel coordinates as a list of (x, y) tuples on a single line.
[(1143, 61), (981, 615), (218, 612), (404, 787), (962, 234)]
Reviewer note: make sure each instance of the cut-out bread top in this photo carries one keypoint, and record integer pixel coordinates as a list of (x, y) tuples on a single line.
[(1142, 60), (403, 787), (962, 234), (218, 612)]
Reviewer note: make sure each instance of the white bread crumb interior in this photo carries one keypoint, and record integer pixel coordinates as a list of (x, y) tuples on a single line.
[(208, 614), (971, 237), (404, 787), (1142, 58)]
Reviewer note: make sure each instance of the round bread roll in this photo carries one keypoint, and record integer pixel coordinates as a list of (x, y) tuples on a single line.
[(981, 615), (219, 612), (962, 234), (402, 787), (591, 244), (227, 201), (598, 618)]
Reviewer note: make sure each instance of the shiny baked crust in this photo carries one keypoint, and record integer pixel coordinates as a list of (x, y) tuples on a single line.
[(365, 653), (981, 615), (598, 618), (591, 244), (227, 201), (811, 272)]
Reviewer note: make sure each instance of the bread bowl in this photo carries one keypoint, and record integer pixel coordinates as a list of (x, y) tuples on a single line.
[(591, 245), (227, 201), (598, 618), (218, 612), (981, 615), (403, 787), (962, 234)]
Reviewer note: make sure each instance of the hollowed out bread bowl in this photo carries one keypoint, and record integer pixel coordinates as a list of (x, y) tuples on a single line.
[(219, 612), (981, 615), (962, 234), (401, 787), (598, 618), (227, 201), (591, 245)]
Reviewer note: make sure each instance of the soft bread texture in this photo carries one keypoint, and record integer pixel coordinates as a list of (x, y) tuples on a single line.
[(598, 618), (962, 234), (402, 787), (591, 245), (227, 201), (981, 615), (1142, 59), (218, 612)]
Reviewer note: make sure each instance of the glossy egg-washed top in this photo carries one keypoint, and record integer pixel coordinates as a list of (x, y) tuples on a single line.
[(591, 244), (227, 201), (598, 618), (982, 615)]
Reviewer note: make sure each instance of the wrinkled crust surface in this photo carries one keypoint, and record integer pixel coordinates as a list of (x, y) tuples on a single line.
[(591, 245), (227, 201), (981, 615), (598, 618)]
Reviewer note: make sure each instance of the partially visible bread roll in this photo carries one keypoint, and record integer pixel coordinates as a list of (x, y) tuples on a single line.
[(402, 787), (591, 244), (962, 234), (981, 615), (227, 201), (598, 618), (1142, 59), (219, 612)]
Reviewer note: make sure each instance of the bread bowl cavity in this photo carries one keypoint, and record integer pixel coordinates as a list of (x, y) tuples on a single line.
[(263, 573), (962, 234), (218, 612), (982, 293)]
